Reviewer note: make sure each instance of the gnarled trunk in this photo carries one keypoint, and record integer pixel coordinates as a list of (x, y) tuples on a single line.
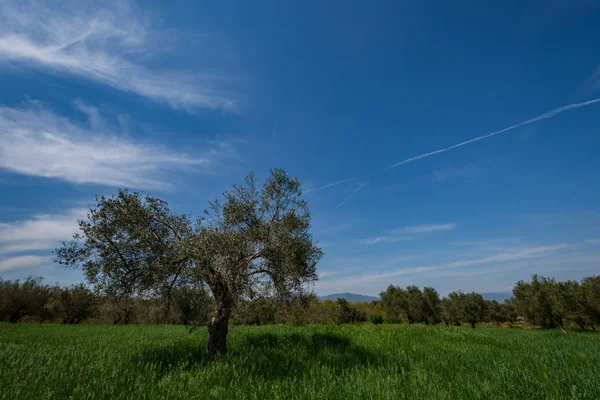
[(219, 326), (217, 335)]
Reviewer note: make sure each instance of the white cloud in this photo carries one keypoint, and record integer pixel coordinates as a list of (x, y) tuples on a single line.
[(500, 261), (354, 193), (399, 235), (329, 185), (37, 142), (110, 44), (425, 228), (326, 274), (22, 262), (381, 239), (593, 241), (544, 116), (42, 232)]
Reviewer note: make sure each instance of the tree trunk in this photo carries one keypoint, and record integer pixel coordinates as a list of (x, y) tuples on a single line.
[(217, 335), (473, 324), (219, 326)]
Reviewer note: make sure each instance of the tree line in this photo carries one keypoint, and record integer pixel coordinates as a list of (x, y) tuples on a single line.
[(541, 302), (249, 257), (31, 300)]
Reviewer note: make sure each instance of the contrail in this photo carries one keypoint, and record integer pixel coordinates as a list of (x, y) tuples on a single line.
[(362, 185), (547, 115), (330, 185)]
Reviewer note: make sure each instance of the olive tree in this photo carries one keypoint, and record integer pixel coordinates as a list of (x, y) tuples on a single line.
[(256, 238)]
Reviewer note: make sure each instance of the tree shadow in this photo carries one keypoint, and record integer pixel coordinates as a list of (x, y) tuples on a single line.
[(268, 355), (275, 356)]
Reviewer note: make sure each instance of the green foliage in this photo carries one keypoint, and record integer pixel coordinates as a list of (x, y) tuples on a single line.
[(308, 362), (590, 300), (500, 313), (260, 311), (464, 307), (412, 304), (548, 303), (348, 314), (193, 305), (541, 302), (72, 305), (376, 319), (28, 298), (473, 308)]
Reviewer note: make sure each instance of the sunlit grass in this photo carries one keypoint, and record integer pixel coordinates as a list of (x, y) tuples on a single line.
[(323, 362)]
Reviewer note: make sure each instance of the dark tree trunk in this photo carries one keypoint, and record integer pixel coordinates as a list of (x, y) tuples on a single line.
[(219, 326), (473, 324), (15, 317), (593, 327), (217, 336)]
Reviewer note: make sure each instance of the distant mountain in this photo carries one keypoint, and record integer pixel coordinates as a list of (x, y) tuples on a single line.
[(349, 297), (498, 296)]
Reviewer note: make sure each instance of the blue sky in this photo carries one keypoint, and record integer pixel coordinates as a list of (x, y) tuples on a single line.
[(373, 105)]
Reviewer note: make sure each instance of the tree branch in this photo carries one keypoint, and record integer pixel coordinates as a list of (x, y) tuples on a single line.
[(168, 226), (259, 271)]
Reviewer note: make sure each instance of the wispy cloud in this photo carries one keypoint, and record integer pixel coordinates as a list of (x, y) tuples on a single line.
[(425, 228), (41, 232), (110, 43), (19, 262), (37, 142), (381, 239), (412, 274), (547, 115), (403, 234), (330, 185), (326, 274), (358, 189), (26, 245), (541, 117), (593, 241)]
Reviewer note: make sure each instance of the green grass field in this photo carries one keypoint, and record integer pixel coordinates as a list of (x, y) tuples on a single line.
[(282, 362)]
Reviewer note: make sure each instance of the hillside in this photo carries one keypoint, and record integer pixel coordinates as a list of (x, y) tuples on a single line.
[(348, 296), (498, 296)]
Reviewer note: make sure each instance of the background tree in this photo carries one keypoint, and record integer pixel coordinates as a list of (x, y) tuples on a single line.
[(28, 298), (348, 314), (193, 304), (452, 309), (260, 311), (590, 299), (541, 302), (72, 305), (473, 308), (392, 301), (413, 304), (431, 306), (495, 312), (133, 244)]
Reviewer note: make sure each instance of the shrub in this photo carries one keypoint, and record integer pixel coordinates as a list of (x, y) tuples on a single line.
[(376, 319)]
